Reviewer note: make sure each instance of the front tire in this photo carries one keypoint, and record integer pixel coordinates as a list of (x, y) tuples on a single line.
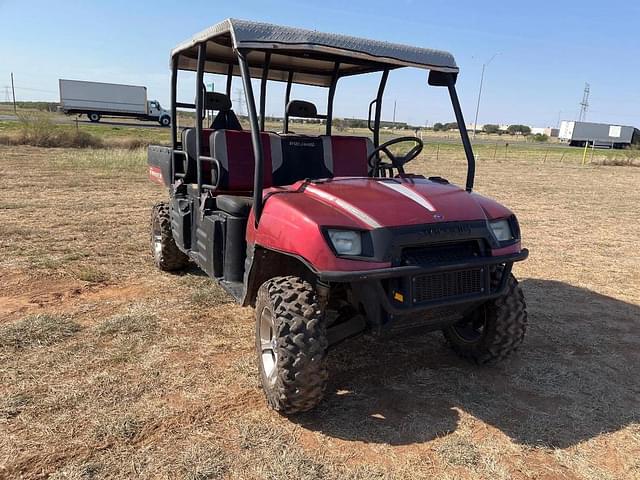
[(166, 254), (291, 344), (494, 330), (165, 121)]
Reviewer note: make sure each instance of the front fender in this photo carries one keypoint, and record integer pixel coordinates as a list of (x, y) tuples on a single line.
[(290, 224)]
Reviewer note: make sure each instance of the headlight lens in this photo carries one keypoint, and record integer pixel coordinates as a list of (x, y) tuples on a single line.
[(346, 242), (502, 230)]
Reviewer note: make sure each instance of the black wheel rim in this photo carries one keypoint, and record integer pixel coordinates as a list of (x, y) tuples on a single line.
[(471, 329)]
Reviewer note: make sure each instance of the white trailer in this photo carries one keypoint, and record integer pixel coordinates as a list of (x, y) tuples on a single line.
[(598, 134), (97, 99)]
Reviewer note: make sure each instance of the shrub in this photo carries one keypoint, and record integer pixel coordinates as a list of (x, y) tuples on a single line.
[(519, 130), (490, 128), (540, 137), (37, 130)]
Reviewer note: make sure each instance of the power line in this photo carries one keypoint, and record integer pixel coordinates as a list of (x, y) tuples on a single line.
[(35, 89)]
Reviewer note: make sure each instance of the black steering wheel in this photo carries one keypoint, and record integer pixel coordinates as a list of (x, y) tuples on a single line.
[(376, 165)]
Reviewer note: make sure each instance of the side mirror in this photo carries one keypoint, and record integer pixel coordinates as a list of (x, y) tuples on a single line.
[(442, 79)]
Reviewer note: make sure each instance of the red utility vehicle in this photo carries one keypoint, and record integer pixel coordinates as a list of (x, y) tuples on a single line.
[(327, 235)]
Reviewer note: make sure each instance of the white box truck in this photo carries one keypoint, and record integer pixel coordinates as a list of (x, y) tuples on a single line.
[(97, 99)]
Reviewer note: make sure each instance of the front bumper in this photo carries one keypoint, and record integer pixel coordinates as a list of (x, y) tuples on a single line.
[(394, 288), (412, 270)]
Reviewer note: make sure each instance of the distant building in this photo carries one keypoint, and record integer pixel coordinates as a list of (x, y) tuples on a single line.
[(548, 131), (598, 134)]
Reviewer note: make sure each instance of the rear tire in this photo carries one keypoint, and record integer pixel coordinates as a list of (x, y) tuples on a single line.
[(94, 117), (166, 254), (291, 344), (494, 330)]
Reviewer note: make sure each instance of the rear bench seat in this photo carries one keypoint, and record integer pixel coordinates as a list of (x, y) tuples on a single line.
[(287, 159)]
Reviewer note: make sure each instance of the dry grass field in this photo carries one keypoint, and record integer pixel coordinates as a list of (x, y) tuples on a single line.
[(112, 369)]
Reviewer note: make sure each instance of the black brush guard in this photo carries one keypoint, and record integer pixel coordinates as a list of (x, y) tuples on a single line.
[(465, 281)]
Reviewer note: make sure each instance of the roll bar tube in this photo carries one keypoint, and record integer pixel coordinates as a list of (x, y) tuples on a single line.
[(263, 89), (466, 142), (229, 79), (378, 101), (174, 106), (202, 53), (255, 136), (287, 97), (331, 96)]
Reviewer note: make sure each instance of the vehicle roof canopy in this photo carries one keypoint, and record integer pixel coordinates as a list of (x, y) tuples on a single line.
[(310, 55)]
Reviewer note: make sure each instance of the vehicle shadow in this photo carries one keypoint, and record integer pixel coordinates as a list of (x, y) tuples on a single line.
[(574, 378)]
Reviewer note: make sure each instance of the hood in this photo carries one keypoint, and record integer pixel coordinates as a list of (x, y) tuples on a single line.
[(374, 203)]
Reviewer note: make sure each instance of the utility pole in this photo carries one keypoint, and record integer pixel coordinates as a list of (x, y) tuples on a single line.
[(394, 114), (584, 105), (239, 101), (13, 91), (484, 65)]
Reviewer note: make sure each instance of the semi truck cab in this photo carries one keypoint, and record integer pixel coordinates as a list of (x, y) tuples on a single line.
[(156, 112)]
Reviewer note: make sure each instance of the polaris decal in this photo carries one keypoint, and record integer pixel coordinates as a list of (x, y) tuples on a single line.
[(346, 206), (155, 175), (409, 193)]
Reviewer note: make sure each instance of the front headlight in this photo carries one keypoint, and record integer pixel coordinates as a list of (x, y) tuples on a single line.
[(346, 242), (501, 230)]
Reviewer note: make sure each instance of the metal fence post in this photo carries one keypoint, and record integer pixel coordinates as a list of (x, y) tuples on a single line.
[(584, 154)]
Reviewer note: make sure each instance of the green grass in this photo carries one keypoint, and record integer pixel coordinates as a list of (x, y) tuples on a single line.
[(103, 159), (128, 323), (46, 129), (37, 331), (90, 274), (43, 128)]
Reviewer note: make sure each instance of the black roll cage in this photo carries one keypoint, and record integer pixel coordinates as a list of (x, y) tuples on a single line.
[(257, 117)]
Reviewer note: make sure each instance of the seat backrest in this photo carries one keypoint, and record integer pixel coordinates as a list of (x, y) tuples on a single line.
[(302, 157), (226, 118), (234, 151), (189, 147), (287, 159), (189, 141), (226, 121), (347, 156)]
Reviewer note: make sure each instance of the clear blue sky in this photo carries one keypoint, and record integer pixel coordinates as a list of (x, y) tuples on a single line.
[(547, 51)]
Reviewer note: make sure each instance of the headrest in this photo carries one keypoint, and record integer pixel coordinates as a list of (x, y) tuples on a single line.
[(216, 101), (302, 109)]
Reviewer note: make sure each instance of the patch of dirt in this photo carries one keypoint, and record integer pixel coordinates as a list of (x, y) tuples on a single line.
[(23, 295), (161, 376)]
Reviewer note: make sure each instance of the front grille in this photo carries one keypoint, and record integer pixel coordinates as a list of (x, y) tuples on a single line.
[(447, 285), (440, 254)]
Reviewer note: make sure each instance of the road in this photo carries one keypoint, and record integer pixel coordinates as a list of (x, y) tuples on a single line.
[(70, 120)]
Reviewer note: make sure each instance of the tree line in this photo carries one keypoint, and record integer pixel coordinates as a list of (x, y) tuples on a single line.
[(488, 128)]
